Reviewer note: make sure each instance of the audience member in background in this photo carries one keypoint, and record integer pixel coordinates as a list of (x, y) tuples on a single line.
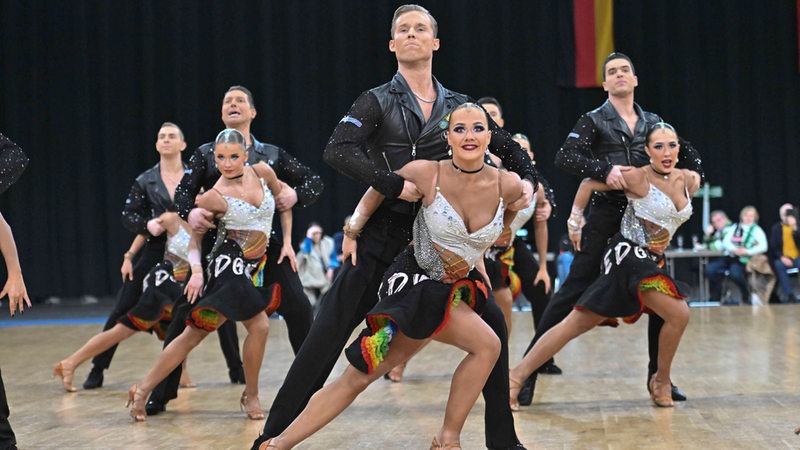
[(336, 255), (783, 250), (741, 242), (566, 252), (314, 262), (715, 231)]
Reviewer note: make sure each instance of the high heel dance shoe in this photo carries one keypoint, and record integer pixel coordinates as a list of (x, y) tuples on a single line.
[(662, 401), (514, 386), (396, 374), (435, 445), (255, 413), (66, 376), (137, 412), (267, 444)]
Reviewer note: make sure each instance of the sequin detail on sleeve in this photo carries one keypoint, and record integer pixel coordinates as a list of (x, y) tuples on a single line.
[(345, 148), (575, 155), (13, 162)]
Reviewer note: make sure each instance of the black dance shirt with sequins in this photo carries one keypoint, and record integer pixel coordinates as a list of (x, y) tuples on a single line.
[(385, 129), (147, 199), (13, 162), (601, 139)]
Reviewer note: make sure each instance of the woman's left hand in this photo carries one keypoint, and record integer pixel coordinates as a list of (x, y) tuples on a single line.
[(288, 252), (17, 294)]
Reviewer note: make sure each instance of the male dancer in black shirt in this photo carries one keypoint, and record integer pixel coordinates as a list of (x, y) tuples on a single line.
[(604, 143), (396, 123), (302, 188)]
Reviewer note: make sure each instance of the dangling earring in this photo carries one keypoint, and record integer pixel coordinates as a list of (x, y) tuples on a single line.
[(449, 150), (486, 152)]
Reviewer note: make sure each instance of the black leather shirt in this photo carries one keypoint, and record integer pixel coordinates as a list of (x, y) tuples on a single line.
[(388, 124), (147, 199), (601, 139)]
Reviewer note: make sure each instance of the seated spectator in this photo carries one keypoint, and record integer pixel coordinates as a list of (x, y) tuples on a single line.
[(740, 242), (313, 263), (783, 250), (715, 232)]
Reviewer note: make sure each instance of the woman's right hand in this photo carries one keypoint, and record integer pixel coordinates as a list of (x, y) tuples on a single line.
[(349, 249), (194, 287)]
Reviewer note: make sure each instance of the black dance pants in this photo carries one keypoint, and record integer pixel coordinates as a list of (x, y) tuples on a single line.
[(7, 438), (526, 267), (353, 293)]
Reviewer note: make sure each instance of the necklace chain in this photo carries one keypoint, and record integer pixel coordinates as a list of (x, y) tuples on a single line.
[(424, 100)]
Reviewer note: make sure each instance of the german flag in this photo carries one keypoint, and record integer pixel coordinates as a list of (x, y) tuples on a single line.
[(586, 37)]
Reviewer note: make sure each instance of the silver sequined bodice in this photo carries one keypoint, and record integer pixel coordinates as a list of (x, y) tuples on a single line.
[(523, 216), (242, 215), (440, 223), (652, 220), (178, 244)]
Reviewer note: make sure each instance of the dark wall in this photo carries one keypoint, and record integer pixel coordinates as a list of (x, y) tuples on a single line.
[(85, 86)]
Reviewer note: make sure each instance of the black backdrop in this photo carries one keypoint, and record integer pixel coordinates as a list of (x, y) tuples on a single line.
[(86, 84)]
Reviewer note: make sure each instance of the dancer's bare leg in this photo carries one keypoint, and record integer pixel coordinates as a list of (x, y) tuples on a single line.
[(676, 317), (331, 400), (467, 331), (171, 357), (252, 356), (575, 324), (94, 346)]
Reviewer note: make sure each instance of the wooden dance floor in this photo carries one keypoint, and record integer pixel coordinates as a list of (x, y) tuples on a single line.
[(738, 365)]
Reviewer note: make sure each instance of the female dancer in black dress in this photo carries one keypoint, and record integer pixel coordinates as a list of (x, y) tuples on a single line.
[(632, 280), (243, 199), (431, 290)]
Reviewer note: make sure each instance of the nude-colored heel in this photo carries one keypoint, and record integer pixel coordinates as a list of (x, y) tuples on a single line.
[(435, 445), (662, 401), (137, 413), (66, 376), (252, 413), (267, 444), (514, 386)]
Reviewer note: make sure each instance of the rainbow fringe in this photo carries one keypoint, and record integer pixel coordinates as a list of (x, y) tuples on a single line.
[(258, 273), (660, 283), (375, 347), (204, 318), (514, 283)]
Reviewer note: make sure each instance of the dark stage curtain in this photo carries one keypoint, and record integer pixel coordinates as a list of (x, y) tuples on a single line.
[(86, 84)]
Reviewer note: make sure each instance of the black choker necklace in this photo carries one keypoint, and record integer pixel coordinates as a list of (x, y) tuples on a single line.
[(663, 174), (466, 171), (237, 176)]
